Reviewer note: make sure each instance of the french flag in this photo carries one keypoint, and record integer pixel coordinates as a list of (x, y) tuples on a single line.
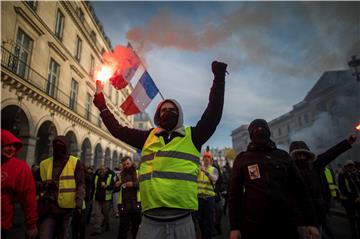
[(145, 90), (128, 62)]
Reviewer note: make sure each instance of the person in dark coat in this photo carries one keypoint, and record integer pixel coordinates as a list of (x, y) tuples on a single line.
[(128, 202), (265, 187), (349, 185), (103, 185), (312, 169), (89, 177)]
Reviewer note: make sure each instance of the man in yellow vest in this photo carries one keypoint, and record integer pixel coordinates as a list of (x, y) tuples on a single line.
[(64, 183), (169, 160), (102, 188), (206, 195), (127, 184)]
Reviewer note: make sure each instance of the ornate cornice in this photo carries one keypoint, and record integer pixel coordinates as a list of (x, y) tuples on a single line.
[(20, 12)]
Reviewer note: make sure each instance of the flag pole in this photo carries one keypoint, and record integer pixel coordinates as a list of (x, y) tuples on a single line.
[(129, 45)]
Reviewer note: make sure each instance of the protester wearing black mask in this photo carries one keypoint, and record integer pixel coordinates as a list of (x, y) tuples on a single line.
[(266, 189), (57, 214), (175, 205)]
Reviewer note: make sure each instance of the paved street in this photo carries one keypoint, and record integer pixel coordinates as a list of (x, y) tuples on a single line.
[(339, 225)]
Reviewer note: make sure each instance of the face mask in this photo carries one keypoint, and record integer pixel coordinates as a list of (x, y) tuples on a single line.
[(260, 136), (168, 120), (59, 150)]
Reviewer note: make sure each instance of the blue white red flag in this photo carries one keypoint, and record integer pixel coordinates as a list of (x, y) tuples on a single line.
[(145, 90)]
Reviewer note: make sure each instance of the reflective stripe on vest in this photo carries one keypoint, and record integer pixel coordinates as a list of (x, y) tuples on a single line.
[(168, 172), (108, 193), (67, 184), (137, 192), (331, 182), (205, 188)]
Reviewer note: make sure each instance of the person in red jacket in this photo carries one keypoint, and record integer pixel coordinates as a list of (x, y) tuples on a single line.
[(16, 180)]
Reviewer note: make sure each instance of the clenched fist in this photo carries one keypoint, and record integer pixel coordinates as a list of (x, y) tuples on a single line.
[(218, 68)]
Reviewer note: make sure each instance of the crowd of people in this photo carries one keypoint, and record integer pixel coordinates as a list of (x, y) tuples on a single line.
[(176, 191)]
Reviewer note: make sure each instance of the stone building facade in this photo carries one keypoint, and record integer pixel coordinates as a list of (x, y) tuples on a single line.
[(49, 53), (328, 114)]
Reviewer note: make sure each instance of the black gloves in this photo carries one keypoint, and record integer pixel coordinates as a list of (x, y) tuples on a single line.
[(218, 68)]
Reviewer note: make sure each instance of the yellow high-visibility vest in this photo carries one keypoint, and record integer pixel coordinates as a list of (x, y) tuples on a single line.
[(108, 193), (168, 172), (138, 198), (331, 182), (205, 188), (67, 184)]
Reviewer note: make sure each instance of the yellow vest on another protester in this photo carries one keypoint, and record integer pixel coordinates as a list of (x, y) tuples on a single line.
[(168, 172), (137, 193), (108, 193), (205, 188), (334, 190), (67, 184)]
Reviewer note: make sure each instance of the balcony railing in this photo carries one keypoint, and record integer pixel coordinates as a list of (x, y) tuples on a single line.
[(12, 63)]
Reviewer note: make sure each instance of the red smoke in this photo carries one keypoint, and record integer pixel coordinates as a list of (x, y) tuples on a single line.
[(116, 66)]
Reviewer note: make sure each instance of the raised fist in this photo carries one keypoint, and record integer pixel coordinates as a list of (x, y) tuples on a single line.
[(99, 87), (352, 139), (218, 68)]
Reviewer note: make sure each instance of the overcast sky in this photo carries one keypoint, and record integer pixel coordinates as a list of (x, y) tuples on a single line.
[(275, 51)]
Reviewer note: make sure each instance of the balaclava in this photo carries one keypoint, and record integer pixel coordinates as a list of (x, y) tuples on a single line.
[(169, 121), (259, 132), (60, 148)]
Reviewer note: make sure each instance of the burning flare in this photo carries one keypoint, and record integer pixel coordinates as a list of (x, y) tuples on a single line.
[(104, 72), (118, 67), (358, 127)]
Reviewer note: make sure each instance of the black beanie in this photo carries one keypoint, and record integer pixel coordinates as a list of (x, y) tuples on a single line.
[(258, 123)]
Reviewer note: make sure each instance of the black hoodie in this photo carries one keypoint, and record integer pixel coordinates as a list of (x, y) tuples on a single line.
[(267, 191)]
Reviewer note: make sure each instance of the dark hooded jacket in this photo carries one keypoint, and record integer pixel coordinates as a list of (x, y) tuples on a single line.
[(61, 157), (98, 191), (313, 172), (129, 195), (267, 192), (16, 181)]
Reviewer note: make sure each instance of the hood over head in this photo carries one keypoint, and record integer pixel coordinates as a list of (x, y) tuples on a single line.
[(9, 138), (179, 127), (300, 147), (259, 132)]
